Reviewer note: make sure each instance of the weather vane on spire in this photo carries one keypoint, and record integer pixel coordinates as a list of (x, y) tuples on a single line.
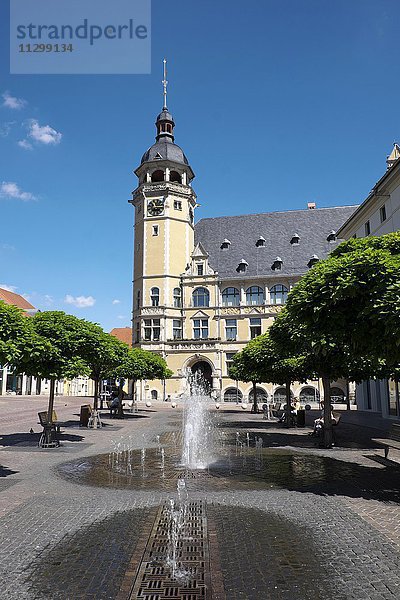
[(165, 83)]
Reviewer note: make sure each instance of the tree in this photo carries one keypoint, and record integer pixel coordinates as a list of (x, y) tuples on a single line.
[(140, 364), (15, 333), (102, 353), (337, 314), (55, 352), (262, 360)]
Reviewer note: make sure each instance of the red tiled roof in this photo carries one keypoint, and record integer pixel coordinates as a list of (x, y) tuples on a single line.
[(15, 299), (124, 334)]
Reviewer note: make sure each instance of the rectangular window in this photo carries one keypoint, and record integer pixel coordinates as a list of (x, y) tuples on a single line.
[(231, 329), (367, 228), (200, 328), (137, 335), (177, 205), (255, 327), (228, 360), (177, 329), (200, 270), (147, 329), (382, 213), (152, 330), (155, 229)]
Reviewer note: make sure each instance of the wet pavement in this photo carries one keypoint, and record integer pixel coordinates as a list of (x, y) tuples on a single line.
[(285, 523)]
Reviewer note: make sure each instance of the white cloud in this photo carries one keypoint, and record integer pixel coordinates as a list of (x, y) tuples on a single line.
[(43, 134), (116, 301), (9, 189), (121, 317), (13, 102), (7, 247), (5, 128), (80, 301), (8, 288), (48, 300), (25, 144)]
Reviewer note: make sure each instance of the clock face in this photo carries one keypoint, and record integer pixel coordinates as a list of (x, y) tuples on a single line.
[(155, 207)]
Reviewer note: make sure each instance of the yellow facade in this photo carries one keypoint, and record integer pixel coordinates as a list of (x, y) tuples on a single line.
[(178, 306)]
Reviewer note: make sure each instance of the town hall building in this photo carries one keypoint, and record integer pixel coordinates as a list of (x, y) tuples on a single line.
[(202, 289)]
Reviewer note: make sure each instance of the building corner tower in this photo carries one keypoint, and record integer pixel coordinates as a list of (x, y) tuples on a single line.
[(164, 204)]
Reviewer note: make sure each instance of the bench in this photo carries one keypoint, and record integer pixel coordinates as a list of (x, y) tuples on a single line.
[(393, 441), (44, 420)]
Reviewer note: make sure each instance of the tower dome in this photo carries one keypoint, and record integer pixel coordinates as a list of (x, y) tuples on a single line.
[(164, 148)]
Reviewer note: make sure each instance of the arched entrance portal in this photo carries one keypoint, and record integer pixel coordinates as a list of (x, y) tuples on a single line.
[(205, 369)]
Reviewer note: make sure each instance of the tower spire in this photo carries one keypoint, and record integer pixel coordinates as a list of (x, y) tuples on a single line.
[(165, 83)]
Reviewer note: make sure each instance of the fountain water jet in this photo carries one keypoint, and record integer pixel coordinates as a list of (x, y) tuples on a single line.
[(198, 427)]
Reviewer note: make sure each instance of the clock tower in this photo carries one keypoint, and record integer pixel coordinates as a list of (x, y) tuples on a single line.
[(164, 204)]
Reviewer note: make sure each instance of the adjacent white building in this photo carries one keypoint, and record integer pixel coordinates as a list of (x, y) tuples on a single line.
[(377, 215)]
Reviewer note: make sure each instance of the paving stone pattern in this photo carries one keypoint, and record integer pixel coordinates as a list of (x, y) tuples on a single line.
[(64, 541)]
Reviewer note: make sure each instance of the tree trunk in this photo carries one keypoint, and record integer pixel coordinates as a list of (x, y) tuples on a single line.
[(120, 399), (51, 401), (348, 407), (288, 405), (96, 393), (255, 403), (328, 433)]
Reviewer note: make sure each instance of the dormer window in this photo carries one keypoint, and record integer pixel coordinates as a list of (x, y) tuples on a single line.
[(295, 239), (277, 264), (260, 242), (313, 261), (200, 269), (332, 236), (242, 266), (225, 244)]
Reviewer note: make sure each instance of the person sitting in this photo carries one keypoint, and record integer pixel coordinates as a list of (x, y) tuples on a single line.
[(114, 405), (319, 423)]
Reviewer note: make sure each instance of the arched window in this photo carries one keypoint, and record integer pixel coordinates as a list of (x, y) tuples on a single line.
[(155, 296), (280, 395), (177, 297), (309, 394), (154, 394), (157, 176), (337, 395), (254, 295), (175, 176), (230, 297), (262, 395), (201, 297), (278, 294), (233, 395)]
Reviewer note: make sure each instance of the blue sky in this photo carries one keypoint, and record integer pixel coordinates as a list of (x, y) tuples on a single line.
[(276, 104)]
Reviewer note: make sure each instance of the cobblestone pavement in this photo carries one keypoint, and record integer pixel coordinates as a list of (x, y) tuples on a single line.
[(63, 540)]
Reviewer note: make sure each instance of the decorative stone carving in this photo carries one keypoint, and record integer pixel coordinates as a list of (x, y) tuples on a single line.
[(152, 310), (230, 310)]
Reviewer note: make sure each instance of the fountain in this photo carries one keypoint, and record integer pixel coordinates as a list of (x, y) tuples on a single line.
[(198, 426)]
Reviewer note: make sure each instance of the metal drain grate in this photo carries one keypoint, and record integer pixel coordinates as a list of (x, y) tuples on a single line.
[(154, 578)]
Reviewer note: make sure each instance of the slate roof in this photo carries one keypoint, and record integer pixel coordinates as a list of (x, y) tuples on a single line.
[(312, 226), (167, 150)]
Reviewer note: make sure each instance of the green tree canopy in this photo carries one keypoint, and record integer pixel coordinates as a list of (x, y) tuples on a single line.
[(15, 334), (141, 364), (263, 360), (351, 300), (338, 314)]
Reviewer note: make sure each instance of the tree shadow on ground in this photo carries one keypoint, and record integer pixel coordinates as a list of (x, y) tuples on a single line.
[(275, 434), (5, 471), (28, 440)]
